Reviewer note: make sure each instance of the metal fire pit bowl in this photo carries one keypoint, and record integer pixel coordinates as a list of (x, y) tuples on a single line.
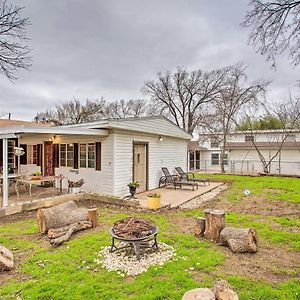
[(136, 244)]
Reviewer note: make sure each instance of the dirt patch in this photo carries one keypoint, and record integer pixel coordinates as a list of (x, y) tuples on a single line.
[(273, 191), (268, 264), (258, 206), (183, 224)]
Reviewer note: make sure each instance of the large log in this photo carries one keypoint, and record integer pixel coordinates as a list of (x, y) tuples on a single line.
[(223, 291), (239, 239), (214, 223), (6, 259), (60, 215), (199, 227)]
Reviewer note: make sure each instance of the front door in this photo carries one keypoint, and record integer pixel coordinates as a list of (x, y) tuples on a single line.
[(48, 159), (140, 165)]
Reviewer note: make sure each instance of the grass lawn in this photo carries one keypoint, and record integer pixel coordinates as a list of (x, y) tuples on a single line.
[(69, 271)]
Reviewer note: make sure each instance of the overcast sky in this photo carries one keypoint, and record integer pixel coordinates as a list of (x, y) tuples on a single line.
[(97, 48)]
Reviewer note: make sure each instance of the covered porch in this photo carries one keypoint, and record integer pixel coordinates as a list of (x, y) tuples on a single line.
[(29, 150)]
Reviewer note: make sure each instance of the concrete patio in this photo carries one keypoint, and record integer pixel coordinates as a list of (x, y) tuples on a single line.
[(170, 196)]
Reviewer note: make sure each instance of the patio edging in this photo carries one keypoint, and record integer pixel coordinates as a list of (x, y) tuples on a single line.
[(51, 201)]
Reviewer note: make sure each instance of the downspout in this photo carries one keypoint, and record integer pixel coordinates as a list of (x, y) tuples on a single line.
[(5, 174)]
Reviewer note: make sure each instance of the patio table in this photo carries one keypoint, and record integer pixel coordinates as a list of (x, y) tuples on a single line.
[(31, 182)]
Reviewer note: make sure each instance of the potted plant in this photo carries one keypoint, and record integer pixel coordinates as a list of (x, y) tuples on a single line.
[(36, 175), (153, 200), (133, 185)]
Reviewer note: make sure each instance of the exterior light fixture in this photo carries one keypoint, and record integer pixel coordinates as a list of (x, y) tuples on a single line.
[(161, 138)]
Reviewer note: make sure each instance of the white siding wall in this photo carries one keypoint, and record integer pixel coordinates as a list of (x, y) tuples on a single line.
[(169, 153)]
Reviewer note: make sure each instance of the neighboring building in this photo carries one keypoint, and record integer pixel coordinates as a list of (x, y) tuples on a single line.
[(241, 156), (107, 154)]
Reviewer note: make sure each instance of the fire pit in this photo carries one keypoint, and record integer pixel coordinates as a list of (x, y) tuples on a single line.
[(136, 232)]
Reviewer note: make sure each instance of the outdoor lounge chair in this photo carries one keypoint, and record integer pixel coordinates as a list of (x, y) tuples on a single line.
[(175, 180), (185, 176)]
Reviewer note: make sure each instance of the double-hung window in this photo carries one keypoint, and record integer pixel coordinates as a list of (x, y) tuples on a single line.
[(215, 158), (31, 154), (66, 155), (87, 155)]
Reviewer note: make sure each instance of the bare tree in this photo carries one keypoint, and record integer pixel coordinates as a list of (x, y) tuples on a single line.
[(72, 112), (288, 114), (130, 108), (184, 96), (236, 95), (14, 54), (275, 28)]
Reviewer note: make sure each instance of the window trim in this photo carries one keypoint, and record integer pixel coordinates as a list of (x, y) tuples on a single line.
[(66, 155), (87, 159)]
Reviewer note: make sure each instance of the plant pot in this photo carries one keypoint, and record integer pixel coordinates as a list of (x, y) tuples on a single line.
[(132, 190), (153, 202), (35, 177)]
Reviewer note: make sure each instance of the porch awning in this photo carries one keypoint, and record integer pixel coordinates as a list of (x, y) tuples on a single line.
[(12, 132)]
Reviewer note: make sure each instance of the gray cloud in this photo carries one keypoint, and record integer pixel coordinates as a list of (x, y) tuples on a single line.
[(95, 48)]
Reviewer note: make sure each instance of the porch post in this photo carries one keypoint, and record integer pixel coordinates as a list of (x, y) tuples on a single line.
[(5, 174)]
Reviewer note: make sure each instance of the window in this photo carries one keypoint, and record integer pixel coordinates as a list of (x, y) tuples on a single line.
[(66, 155), (32, 154), (215, 157), (249, 138), (87, 155), (214, 142), (11, 156)]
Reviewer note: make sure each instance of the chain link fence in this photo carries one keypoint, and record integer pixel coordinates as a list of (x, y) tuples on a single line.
[(248, 167)]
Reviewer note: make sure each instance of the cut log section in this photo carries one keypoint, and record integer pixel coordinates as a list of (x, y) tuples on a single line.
[(6, 259), (199, 227), (214, 223), (239, 239), (223, 291), (60, 215), (93, 216)]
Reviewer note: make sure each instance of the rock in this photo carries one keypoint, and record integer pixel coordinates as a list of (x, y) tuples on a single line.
[(223, 291), (199, 294), (6, 259)]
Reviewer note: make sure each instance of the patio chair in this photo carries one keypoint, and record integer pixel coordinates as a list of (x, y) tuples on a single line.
[(175, 180), (185, 176)]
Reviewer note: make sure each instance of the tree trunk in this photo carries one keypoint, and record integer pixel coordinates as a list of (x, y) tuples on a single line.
[(6, 259), (93, 216), (60, 216), (199, 227), (223, 291), (239, 239), (214, 223)]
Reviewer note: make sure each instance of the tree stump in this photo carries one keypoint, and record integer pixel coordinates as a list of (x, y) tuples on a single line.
[(199, 227), (60, 215), (6, 259), (199, 294), (223, 291), (214, 223), (93, 216), (239, 239)]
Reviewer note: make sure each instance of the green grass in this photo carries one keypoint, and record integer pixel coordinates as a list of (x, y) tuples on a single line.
[(69, 271), (287, 189)]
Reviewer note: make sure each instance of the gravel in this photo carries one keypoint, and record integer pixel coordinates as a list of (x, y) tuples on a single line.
[(125, 263), (199, 201)]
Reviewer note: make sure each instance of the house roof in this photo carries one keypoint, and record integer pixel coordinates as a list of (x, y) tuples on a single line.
[(194, 145), (268, 145), (10, 123), (152, 125)]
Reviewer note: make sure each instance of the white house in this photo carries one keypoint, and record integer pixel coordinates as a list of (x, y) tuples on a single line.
[(242, 154), (107, 154)]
